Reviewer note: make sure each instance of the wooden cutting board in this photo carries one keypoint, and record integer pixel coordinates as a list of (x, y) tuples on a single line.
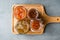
[(47, 19)]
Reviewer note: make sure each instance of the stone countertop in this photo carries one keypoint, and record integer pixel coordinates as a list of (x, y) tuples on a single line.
[(52, 31)]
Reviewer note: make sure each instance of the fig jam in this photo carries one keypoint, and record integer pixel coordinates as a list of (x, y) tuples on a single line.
[(32, 13)]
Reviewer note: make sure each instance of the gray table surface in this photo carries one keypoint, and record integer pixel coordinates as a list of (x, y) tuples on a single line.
[(52, 31)]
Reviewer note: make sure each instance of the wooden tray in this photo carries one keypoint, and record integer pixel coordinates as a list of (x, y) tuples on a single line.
[(47, 19)]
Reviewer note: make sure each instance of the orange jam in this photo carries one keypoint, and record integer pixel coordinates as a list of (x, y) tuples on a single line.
[(19, 12)]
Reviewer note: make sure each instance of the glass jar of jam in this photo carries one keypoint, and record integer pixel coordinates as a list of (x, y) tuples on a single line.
[(22, 27), (19, 12), (36, 25), (32, 13)]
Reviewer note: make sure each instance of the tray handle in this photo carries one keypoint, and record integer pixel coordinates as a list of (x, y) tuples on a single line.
[(53, 19)]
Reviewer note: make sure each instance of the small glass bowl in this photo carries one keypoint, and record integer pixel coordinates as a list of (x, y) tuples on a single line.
[(22, 27), (32, 13), (36, 25), (20, 12)]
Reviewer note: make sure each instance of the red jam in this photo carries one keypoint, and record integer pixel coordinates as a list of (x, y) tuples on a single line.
[(35, 24)]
